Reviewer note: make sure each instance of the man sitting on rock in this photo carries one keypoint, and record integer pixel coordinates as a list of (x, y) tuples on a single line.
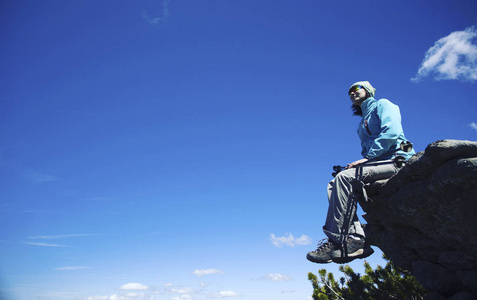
[(381, 135)]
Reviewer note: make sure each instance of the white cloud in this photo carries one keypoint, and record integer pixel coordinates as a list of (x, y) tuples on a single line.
[(68, 268), (132, 296), (157, 20), (184, 290), (168, 285), (128, 296), (223, 294), (182, 297), (277, 277), (289, 240), (473, 125), (200, 273), (452, 57), (133, 286)]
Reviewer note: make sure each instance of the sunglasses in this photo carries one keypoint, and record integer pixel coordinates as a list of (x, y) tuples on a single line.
[(354, 89)]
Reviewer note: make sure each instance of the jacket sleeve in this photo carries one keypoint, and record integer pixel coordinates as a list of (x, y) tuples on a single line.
[(390, 129)]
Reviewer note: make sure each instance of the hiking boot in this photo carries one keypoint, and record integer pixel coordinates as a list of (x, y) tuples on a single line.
[(324, 253), (355, 247), (328, 251)]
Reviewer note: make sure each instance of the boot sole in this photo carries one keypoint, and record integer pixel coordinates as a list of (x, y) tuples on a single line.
[(361, 253), (318, 261)]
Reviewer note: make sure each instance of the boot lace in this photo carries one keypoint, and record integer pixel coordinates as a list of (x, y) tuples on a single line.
[(323, 245)]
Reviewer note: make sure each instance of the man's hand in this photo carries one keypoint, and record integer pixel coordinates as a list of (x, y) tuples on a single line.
[(355, 163)]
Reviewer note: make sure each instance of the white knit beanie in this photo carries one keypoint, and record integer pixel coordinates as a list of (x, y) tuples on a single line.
[(366, 85)]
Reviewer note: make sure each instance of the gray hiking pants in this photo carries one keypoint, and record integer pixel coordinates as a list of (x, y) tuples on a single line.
[(342, 219)]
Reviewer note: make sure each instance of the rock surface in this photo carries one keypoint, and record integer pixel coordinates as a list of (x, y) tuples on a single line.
[(425, 218)]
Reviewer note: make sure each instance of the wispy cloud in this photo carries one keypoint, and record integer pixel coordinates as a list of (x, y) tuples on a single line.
[(134, 286), (69, 268), (45, 244), (277, 277), (62, 236), (473, 125), (452, 57), (162, 18), (200, 273), (289, 240), (40, 178), (54, 237), (100, 199), (26, 211)]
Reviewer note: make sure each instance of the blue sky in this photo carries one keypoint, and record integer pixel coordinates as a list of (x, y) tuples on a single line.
[(181, 149)]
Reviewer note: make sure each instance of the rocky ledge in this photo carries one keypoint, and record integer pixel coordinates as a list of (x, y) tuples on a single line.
[(425, 218)]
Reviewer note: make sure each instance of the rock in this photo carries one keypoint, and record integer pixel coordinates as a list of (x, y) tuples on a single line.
[(423, 218), (462, 296)]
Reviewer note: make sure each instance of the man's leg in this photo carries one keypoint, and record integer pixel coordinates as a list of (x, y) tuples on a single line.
[(342, 226), (341, 208)]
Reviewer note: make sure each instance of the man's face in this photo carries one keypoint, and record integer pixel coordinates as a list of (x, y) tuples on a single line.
[(357, 95)]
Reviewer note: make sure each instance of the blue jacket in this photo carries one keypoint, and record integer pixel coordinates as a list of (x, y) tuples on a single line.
[(380, 130)]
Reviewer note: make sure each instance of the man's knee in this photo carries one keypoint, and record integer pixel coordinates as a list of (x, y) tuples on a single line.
[(347, 175)]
